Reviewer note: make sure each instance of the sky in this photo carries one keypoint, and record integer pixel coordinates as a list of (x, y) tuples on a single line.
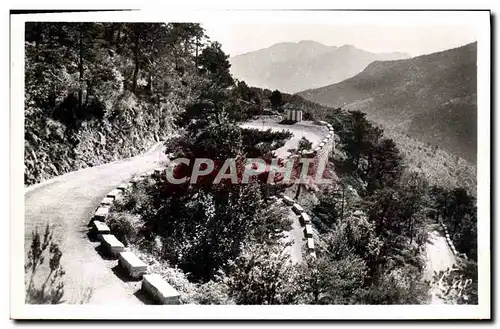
[(414, 40)]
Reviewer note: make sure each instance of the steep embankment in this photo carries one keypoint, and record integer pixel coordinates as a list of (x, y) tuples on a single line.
[(430, 97), (53, 148), (291, 67)]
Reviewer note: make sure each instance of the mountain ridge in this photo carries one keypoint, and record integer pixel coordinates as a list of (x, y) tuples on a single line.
[(431, 97), (295, 66)]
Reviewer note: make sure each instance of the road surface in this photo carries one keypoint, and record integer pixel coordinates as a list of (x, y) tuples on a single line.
[(67, 203), (314, 133), (439, 258)]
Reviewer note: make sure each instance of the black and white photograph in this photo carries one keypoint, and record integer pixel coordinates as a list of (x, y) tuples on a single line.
[(326, 161)]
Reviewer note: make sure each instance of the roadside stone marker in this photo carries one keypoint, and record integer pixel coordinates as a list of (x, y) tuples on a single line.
[(135, 267), (112, 245), (297, 208), (308, 232), (160, 290), (101, 214), (305, 219)]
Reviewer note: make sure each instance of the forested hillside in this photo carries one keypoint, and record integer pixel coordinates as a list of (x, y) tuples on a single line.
[(430, 97), (97, 92)]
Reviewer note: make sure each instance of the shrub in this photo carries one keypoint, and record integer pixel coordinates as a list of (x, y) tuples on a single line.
[(304, 144), (134, 199), (123, 226)]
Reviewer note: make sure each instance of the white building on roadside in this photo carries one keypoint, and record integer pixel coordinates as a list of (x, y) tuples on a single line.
[(293, 115)]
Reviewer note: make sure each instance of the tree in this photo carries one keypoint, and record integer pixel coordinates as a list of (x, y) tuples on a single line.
[(214, 63), (79, 78), (276, 99), (397, 286), (208, 222), (214, 97), (263, 275), (247, 101), (270, 223)]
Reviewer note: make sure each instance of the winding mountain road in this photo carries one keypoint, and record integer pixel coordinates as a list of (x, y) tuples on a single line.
[(67, 203), (315, 134), (438, 253)]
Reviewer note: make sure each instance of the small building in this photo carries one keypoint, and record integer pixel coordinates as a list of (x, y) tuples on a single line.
[(293, 115)]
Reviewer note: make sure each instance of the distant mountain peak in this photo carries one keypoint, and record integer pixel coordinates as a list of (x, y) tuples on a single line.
[(310, 42), (295, 66)]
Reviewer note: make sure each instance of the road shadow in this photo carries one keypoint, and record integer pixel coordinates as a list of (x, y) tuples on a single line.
[(143, 297), (123, 275), (104, 253), (92, 236), (91, 222), (287, 122)]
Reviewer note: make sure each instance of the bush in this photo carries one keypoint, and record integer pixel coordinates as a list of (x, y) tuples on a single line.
[(304, 144), (136, 198), (123, 226)]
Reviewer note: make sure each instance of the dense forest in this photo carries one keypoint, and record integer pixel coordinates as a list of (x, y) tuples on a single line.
[(96, 92)]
